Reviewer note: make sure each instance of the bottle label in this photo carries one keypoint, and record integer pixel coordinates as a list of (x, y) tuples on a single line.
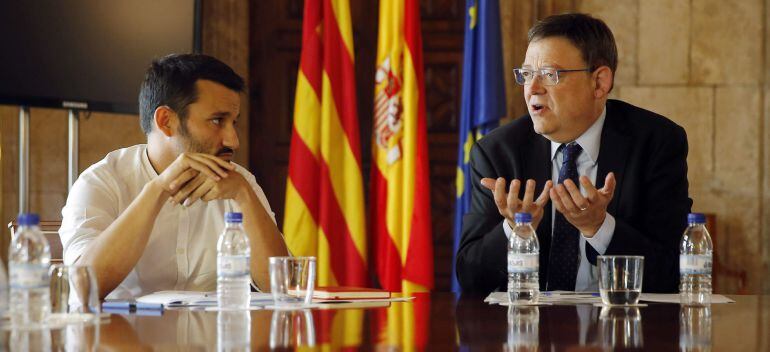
[(233, 266), (523, 263), (28, 276), (695, 264)]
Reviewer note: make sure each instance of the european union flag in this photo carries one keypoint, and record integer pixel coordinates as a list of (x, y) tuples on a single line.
[(483, 97)]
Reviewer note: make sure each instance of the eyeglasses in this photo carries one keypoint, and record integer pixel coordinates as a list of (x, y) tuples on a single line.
[(550, 75)]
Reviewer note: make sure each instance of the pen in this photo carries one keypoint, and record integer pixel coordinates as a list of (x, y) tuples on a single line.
[(593, 294), (148, 306), (125, 305), (131, 305)]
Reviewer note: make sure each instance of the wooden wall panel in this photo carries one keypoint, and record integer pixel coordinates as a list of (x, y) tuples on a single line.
[(225, 35), (442, 29)]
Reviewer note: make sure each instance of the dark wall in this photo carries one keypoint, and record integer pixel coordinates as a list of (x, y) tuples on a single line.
[(275, 44)]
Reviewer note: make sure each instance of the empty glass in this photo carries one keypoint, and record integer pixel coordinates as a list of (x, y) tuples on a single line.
[(292, 280), (292, 329), (75, 337), (74, 294), (620, 279), (621, 327)]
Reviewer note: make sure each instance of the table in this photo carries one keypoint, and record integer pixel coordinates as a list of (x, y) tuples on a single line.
[(437, 321)]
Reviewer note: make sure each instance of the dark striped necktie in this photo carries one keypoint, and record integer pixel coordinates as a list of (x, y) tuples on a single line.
[(564, 260)]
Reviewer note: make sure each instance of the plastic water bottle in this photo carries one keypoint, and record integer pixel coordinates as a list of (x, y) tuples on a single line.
[(523, 262), (233, 270), (28, 259), (523, 322), (234, 331), (695, 328), (3, 289), (33, 340), (695, 253)]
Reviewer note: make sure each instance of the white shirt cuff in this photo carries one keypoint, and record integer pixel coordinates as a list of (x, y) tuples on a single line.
[(601, 240), (507, 229)]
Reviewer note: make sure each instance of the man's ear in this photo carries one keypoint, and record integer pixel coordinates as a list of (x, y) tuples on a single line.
[(166, 120), (603, 78)]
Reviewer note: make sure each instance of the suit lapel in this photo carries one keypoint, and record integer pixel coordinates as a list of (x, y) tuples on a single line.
[(612, 152), (537, 163)]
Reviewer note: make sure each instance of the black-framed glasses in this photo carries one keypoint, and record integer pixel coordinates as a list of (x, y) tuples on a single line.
[(550, 75)]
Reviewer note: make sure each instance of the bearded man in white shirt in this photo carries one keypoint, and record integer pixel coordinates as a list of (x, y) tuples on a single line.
[(147, 218)]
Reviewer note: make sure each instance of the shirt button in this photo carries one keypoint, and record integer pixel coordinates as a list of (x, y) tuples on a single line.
[(179, 251)]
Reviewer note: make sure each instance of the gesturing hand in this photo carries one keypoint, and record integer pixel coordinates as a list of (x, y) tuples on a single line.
[(508, 204), (585, 213)]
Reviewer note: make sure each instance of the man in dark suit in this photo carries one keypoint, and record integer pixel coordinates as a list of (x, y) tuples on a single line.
[(599, 176)]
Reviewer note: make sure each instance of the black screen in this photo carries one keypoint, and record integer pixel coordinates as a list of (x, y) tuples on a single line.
[(88, 54)]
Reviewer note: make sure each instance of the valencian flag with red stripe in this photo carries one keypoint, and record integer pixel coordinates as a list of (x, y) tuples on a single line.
[(400, 191), (324, 214)]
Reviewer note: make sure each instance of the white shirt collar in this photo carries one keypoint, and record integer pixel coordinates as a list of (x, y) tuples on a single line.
[(146, 164), (590, 140)]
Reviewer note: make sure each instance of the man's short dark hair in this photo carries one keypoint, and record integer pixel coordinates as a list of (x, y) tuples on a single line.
[(590, 35), (170, 81)]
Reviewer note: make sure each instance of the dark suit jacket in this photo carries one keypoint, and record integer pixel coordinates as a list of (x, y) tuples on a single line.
[(648, 154)]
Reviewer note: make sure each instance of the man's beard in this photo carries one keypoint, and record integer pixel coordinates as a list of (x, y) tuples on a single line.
[(190, 144)]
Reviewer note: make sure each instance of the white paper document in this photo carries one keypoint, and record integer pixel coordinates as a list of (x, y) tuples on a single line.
[(180, 299), (674, 298), (345, 303), (551, 297), (569, 297), (171, 299)]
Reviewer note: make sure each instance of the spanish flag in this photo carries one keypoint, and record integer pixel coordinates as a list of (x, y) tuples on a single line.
[(338, 329), (400, 191), (324, 214)]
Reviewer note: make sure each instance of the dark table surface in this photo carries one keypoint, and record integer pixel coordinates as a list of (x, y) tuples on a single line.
[(438, 321)]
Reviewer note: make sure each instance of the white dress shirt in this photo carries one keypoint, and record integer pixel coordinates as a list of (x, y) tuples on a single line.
[(181, 253), (587, 164)]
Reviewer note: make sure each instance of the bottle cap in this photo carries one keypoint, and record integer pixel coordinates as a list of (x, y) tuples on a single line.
[(696, 218), (523, 217), (233, 217), (28, 219)]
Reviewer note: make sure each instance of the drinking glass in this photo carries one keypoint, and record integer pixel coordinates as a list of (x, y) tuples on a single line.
[(621, 327), (75, 337), (292, 280), (74, 294), (620, 279), (292, 329)]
